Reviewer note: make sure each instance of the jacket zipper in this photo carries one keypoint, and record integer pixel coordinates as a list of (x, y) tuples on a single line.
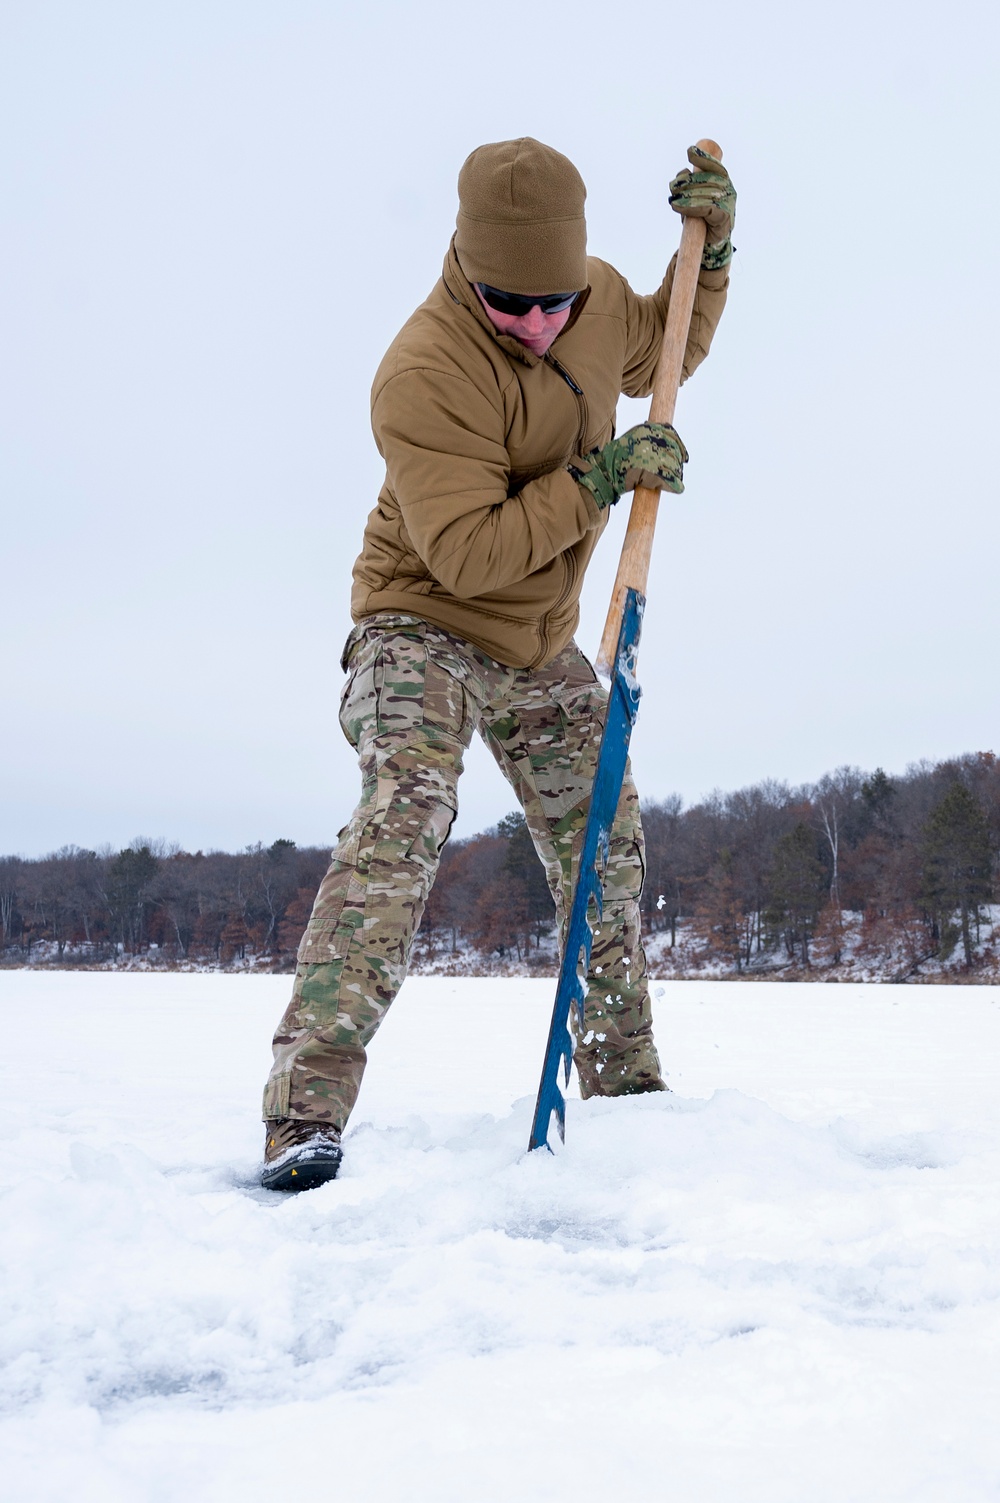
[(578, 392), (580, 398)]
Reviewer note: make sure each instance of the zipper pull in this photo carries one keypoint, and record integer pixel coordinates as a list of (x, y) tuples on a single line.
[(565, 375)]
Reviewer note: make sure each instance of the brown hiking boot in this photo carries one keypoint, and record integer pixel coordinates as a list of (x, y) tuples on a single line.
[(298, 1155)]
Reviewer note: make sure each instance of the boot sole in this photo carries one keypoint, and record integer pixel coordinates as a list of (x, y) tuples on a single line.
[(302, 1174)]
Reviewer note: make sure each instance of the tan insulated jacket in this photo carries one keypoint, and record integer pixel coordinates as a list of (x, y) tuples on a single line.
[(479, 526)]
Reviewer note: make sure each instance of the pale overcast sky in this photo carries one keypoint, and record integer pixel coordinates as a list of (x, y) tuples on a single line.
[(216, 214)]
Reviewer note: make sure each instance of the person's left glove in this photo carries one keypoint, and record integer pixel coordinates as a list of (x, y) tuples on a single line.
[(707, 193), (651, 454)]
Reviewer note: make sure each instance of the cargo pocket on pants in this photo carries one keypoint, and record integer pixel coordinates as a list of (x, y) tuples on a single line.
[(359, 696), (578, 702), (428, 845), (413, 690)]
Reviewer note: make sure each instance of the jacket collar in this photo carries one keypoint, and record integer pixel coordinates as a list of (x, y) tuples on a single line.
[(462, 291)]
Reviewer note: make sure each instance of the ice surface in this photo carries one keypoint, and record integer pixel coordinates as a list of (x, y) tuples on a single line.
[(780, 1282)]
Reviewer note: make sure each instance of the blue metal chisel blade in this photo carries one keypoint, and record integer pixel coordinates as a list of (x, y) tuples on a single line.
[(571, 990)]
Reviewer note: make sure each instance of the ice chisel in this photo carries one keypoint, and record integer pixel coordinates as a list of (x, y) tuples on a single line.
[(616, 659)]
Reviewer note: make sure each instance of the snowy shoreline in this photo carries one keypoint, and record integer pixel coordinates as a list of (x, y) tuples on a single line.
[(864, 959)]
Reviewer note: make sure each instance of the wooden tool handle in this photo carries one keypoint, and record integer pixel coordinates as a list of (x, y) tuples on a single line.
[(633, 566)]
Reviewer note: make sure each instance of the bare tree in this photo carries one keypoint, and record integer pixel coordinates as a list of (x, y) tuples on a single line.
[(832, 798)]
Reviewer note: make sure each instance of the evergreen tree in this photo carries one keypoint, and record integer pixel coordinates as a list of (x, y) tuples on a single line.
[(129, 893), (523, 868), (879, 795), (797, 882), (956, 864)]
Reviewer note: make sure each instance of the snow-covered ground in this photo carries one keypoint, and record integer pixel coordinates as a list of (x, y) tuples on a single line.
[(779, 1283)]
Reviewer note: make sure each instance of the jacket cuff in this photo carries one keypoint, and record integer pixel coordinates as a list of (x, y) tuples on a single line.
[(714, 281), (577, 465)]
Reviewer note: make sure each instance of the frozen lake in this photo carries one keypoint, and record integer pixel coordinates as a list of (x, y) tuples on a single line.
[(779, 1283)]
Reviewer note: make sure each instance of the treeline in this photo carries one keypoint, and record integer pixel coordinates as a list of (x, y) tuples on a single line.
[(776, 869), (214, 906), (766, 872), (773, 871)]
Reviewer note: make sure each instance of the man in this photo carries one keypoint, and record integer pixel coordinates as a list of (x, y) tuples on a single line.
[(494, 411)]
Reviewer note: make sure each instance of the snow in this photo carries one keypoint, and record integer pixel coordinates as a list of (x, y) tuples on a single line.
[(779, 1282)]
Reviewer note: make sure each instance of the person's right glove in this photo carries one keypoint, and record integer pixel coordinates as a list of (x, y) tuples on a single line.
[(650, 454)]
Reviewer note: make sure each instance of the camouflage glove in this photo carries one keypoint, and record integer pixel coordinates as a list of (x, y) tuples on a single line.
[(707, 193), (650, 454)]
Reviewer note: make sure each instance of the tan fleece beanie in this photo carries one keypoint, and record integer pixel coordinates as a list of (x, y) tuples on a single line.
[(520, 219)]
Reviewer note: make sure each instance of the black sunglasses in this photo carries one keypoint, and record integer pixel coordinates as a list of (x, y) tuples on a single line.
[(517, 306)]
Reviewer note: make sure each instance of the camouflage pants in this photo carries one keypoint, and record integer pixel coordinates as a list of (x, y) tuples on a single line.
[(412, 700)]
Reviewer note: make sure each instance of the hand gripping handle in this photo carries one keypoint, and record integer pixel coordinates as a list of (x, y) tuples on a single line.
[(633, 566)]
